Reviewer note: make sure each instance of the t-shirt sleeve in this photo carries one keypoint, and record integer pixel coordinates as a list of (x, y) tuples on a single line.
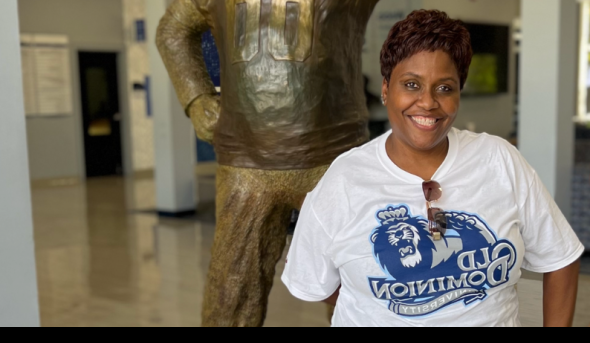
[(310, 274), (550, 242)]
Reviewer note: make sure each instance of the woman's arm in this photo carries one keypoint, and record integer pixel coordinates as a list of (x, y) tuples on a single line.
[(560, 291), (334, 298)]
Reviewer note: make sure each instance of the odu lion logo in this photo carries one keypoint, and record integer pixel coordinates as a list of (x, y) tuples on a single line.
[(422, 275)]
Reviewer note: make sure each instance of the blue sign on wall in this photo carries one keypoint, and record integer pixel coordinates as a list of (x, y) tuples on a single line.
[(140, 34), (205, 152)]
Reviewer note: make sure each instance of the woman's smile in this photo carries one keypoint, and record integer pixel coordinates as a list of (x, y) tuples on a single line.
[(425, 123)]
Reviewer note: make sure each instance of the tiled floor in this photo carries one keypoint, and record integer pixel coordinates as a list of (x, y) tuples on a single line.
[(104, 259)]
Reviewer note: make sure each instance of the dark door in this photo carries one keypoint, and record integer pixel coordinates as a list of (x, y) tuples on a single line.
[(100, 109)]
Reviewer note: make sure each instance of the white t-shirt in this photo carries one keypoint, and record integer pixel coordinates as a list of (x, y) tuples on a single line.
[(364, 228)]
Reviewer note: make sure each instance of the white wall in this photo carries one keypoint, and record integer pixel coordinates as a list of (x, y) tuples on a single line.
[(18, 282), (485, 11)]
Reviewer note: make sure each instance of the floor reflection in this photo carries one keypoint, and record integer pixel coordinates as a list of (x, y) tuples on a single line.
[(104, 259)]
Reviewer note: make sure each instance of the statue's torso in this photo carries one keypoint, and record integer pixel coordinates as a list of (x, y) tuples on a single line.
[(292, 84)]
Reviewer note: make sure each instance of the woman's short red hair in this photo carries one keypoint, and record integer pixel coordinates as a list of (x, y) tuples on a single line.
[(427, 30)]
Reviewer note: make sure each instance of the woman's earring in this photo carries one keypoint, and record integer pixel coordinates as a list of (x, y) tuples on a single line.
[(383, 99)]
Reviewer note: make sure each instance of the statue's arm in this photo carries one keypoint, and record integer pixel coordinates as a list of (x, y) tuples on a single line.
[(179, 39)]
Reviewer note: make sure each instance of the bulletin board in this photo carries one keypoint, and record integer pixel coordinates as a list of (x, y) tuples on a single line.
[(47, 78)]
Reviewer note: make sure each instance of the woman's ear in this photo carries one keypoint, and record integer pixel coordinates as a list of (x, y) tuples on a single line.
[(384, 91)]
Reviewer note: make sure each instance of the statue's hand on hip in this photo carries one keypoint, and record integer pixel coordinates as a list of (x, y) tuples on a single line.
[(204, 113)]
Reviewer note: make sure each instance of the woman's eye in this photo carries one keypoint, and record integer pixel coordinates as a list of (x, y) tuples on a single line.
[(444, 89), (412, 85)]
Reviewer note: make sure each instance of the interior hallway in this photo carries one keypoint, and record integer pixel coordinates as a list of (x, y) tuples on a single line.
[(105, 259)]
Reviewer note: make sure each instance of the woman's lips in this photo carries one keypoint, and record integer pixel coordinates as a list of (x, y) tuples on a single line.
[(425, 123)]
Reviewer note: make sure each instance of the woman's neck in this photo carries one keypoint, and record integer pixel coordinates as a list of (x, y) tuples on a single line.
[(423, 164)]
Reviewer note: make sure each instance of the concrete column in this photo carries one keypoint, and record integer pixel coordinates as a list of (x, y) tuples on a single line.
[(548, 92), (174, 137), (18, 277)]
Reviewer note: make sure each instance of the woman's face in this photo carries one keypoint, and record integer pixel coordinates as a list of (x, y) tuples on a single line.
[(422, 99)]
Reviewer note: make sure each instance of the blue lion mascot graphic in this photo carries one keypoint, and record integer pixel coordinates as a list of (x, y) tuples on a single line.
[(423, 276)]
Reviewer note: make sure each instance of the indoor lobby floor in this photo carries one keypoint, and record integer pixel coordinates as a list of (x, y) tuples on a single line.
[(105, 259)]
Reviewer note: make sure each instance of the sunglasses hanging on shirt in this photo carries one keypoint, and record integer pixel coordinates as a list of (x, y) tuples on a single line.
[(437, 219)]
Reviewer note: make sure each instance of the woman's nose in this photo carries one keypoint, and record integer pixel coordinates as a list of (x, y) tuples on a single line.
[(427, 101)]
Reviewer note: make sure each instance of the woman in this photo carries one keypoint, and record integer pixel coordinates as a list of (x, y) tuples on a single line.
[(392, 248)]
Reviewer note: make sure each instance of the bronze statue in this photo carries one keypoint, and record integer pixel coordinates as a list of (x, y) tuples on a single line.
[(292, 101)]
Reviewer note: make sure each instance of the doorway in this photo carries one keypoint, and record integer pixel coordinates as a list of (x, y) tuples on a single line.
[(101, 114)]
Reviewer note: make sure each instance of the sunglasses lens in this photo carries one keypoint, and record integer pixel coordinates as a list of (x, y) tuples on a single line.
[(439, 218), (432, 191), (431, 213), (434, 214)]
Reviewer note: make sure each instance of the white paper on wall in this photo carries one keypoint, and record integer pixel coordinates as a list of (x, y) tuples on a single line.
[(46, 75)]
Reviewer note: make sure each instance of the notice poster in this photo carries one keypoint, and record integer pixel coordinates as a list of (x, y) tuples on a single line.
[(46, 75)]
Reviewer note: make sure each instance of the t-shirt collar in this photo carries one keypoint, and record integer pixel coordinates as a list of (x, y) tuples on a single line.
[(442, 171)]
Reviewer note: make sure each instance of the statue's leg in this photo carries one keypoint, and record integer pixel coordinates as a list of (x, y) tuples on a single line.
[(250, 237), (253, 214)]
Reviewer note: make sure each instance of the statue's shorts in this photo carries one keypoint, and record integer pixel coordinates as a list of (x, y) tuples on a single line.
[(254, 210)]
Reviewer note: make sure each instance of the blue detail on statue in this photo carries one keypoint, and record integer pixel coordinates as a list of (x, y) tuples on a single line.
[(211, 56), (205, 152)]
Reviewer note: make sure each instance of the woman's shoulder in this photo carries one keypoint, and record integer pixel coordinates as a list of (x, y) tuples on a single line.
[(493, 149), (348, 171), (485, 143), (364, 156), (468, 137)]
